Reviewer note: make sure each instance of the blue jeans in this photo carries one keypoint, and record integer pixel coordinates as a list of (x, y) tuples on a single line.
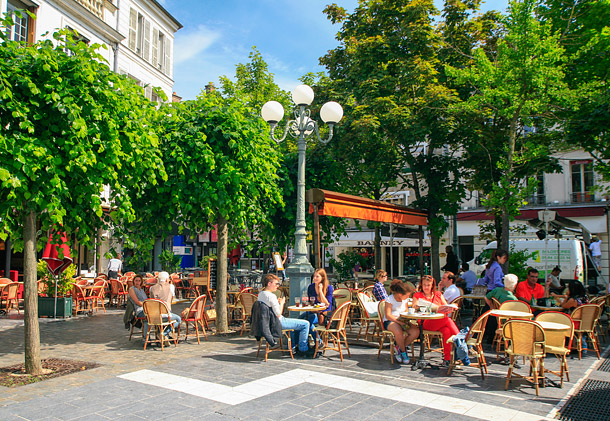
[(313, 321), (301, 328), (176, 320)]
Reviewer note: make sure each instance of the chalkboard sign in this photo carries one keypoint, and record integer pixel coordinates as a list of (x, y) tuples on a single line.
[(212, 273)]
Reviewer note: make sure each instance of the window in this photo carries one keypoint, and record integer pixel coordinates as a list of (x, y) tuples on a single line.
[(582, 181), (139, 34), (161, 54), (20, 31), (76, 37), (538, 197)]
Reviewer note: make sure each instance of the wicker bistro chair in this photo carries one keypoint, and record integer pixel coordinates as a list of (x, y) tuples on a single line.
[(334, 331), (99, 292), (344, 295), (155, 310), (195, 317), (246, 300), (558, 342), (525, 338), (117, 291), (285, 332), (9, 296), (135, 320), (367, 316), (385, 333), (587, 315), (473, 339), (78, 299), (601, 302), (514, 305)]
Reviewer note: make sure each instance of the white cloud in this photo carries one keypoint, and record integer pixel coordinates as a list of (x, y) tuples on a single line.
[(190, 44)]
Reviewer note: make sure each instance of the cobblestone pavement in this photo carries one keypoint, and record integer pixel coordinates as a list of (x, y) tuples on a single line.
[(222, 379)]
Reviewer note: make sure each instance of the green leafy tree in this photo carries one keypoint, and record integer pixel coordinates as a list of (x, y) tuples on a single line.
[(70, 126), (222, 169), (520, 85), (388, 65)]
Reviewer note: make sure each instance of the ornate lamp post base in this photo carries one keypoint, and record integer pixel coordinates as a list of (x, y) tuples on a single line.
[(300, 274)]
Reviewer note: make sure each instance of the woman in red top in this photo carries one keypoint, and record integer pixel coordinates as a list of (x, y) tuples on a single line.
[(427, 291)]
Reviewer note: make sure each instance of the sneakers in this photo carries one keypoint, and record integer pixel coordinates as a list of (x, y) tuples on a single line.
[(398, 357), (405, 358)]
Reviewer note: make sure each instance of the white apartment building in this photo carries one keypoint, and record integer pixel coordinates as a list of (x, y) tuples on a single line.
[(139, 34)]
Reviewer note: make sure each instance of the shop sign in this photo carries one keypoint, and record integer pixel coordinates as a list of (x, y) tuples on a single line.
[(382, 242)]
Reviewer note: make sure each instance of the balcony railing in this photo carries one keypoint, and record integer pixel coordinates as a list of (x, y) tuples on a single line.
[(583, 197), (536, 200), (94, 6)]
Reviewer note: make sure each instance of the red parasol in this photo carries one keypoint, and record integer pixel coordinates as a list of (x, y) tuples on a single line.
[(57, 256), (235, 255)]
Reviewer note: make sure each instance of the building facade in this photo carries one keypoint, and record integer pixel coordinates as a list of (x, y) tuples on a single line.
[(138, 34)]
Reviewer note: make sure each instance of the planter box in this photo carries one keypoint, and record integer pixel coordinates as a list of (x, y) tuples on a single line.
[(46, 304)]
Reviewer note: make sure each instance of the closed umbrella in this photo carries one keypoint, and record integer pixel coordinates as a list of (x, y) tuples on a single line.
[(57, 256)]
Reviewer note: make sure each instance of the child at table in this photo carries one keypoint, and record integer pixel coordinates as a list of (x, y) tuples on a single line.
[(396, 304)]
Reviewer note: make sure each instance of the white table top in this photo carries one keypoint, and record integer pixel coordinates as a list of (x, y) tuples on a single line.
[(474, 297), (420, 316), (552, 325), (510, 313)]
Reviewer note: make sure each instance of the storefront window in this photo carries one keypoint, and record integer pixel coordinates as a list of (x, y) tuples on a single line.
[(411, 262)]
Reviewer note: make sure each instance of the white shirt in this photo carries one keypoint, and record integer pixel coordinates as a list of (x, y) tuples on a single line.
[(451, 293), (270, 299), (555, 281), (115, 265), (596, 248), (397, 307)]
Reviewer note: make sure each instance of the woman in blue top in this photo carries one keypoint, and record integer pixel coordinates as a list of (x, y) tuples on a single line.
[(493, 271), (320, 291)]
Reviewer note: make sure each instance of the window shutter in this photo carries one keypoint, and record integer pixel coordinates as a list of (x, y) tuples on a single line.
[(155, 47), (166, 68), (148, 92), (133, 23), (146, 46)]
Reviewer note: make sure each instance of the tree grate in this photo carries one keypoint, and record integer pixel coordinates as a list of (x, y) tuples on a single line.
[(589, 404), (605, 366)]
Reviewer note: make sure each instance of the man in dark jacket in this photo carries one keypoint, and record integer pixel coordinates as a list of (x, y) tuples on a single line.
[(452, 263), (300, 327)]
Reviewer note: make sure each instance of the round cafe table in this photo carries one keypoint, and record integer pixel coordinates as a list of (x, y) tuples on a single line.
[(511, 313), (552, 325), (307, 308), (421, 362)]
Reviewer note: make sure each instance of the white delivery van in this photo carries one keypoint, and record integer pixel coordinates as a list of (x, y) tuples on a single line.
[(569, 255)]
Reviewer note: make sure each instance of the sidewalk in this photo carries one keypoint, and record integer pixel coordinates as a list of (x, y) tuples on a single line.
[(222, 379)]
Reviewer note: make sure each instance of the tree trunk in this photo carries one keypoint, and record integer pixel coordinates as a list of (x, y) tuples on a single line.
[(222, 324), (420, 245), (33, 364), (505, 234), (377, 246), (434, 258)]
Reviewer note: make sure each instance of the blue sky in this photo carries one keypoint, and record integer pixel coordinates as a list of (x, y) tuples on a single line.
[(218, 34)]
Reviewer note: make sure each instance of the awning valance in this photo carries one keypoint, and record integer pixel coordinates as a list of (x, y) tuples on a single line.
[(347, 206)]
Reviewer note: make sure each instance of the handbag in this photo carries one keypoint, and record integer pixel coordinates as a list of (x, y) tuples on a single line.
[(210, 314)]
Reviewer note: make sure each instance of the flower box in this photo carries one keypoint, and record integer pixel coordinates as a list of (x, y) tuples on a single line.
[(46, 304)]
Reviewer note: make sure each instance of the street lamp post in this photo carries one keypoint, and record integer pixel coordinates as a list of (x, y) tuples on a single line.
[(301, 128)]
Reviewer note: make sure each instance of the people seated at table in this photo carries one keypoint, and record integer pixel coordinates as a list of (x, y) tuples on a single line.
[(576, 296), (555, 282), (396, 303), (301, 327), (468, 278), (447, 285), (163, 291), (379, 291), (530, 290), (427, 290), (505, 293), (493, 270)]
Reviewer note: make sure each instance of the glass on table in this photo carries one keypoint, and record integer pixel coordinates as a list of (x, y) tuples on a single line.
[(305, 301), (297, 301)]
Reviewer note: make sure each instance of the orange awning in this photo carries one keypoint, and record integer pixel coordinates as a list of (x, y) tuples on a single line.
[(347, 206)]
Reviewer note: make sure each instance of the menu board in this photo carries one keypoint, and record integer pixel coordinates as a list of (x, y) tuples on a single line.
[(212, 273)]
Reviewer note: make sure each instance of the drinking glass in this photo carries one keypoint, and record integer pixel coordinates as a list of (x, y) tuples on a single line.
[(297, 301), (305, 301)]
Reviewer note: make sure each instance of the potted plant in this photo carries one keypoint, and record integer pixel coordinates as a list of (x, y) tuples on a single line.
[(46, 305)]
